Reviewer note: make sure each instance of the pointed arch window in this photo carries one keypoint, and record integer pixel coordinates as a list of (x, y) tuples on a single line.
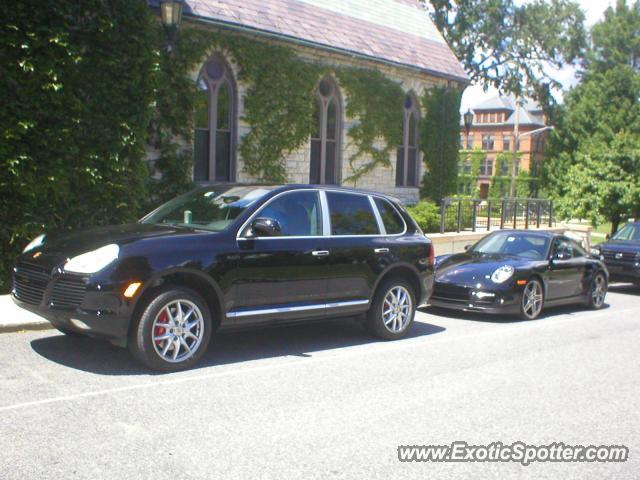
[(325, 162), (215, 123), (408, 158)]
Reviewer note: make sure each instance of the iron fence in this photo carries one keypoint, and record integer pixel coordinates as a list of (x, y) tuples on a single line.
[(473, 214)]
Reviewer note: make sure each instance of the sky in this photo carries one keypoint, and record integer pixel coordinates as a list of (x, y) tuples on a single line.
[(594, 11)]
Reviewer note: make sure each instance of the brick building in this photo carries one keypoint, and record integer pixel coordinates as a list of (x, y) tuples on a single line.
[(493, 131), (396, 37)]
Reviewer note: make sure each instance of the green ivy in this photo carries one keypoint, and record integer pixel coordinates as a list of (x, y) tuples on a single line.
[(377, 102), (440, 139), (279, 105), (77, 81), (468, 182)]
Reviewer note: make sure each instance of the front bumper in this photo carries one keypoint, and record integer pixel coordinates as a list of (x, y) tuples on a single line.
[(73, 302), (472, 299), (621, 272)]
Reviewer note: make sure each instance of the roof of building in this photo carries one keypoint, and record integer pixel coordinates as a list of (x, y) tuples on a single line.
[(530, 111), (394, 31), (507, 103)]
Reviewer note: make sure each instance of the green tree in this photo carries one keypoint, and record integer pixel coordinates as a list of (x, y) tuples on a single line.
[(509, 44), (77, 80), (440, 142), (593, 170)]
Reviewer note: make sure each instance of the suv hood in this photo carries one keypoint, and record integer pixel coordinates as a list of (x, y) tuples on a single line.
[(85, 240)]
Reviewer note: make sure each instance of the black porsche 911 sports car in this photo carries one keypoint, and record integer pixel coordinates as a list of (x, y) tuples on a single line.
[(519, 272)]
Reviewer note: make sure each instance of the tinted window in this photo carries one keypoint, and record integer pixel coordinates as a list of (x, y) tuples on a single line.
[(351, 214), (391, 219), (298, 214), (578, 251), (563, 249)]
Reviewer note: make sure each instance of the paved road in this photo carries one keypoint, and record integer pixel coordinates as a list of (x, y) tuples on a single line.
[(325, 401)]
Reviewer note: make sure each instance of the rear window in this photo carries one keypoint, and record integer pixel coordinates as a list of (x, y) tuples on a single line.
[(351, 214), (391, 219)]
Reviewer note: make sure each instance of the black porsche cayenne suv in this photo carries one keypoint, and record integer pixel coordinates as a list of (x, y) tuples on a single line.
[(228, 256)]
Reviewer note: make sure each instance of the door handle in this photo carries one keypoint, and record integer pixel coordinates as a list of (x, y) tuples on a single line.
[(381, 250), (320, 253)]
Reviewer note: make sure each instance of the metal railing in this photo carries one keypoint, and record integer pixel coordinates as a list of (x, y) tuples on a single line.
[(473, 214)]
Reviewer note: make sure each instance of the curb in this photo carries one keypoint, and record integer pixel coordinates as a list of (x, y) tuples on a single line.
[(25, 326), (15, 319)]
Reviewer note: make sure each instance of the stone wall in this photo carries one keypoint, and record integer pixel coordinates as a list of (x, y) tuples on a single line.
[(380, 179)]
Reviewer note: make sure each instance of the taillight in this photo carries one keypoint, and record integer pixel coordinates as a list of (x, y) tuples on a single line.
[(432, 255)]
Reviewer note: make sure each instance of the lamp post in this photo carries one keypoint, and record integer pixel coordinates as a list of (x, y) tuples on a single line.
[(468, 121), (171, 15)]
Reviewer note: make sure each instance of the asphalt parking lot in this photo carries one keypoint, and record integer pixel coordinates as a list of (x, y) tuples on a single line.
[(327, 401)]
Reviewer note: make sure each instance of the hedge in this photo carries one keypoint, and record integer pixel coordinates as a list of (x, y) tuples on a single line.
[(78, 82)]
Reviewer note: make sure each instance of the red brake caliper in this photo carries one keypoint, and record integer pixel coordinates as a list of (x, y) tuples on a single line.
[(163, 318)]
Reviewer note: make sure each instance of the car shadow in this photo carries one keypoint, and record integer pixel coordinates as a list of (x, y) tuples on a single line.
[(302, 340), (547, 314)]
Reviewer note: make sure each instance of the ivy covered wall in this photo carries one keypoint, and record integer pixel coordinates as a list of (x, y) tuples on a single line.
[(277, 88)]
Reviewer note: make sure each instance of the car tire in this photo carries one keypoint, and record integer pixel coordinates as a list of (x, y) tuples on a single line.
[(172, 331), (393, 321), (532, 300), (597, 292)]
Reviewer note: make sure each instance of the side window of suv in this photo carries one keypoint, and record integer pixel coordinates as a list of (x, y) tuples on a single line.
[(391, 219), (298, 214), (351, 214)]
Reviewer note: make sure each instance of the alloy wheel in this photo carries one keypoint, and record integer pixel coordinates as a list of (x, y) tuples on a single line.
[(177, 331), (532, 299), (599, 291), (396, 309)]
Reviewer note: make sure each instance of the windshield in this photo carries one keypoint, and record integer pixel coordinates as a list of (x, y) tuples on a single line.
[(517, 244), (630, 233), (210, 208)]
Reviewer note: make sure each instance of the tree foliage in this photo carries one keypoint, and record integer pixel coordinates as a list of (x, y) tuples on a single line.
[(77, 87), (597, 140), (510, 45), (440, 142)]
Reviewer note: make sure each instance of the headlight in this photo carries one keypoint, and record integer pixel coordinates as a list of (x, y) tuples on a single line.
[(94, 261), (502, 274), (35, 243)]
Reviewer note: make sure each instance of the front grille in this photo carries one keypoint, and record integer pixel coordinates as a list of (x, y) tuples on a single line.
[(30, 282), (67, 292), (620, 257), (452, 293)]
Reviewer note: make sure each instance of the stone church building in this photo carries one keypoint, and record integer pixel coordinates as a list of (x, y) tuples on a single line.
[(395, 37)]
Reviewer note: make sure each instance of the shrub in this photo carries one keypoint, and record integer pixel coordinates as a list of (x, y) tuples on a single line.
[(78, 79), (427, 214)]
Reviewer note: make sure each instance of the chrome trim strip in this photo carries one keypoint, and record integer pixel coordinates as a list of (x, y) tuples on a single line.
[(302, 308), (326, 218), (376, 213)]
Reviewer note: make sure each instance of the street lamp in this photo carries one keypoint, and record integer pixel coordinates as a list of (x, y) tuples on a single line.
[(468, 120), (171, 14)]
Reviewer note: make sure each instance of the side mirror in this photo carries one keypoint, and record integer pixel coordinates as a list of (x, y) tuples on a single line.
[(558, 256), (265, 227), (607, 236), (467, 247)]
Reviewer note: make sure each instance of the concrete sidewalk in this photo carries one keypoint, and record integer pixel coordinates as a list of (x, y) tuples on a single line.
[(14, 319)]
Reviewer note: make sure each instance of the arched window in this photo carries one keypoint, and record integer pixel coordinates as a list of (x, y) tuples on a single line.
[(215, 123), (408, 160), (325, 139)]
